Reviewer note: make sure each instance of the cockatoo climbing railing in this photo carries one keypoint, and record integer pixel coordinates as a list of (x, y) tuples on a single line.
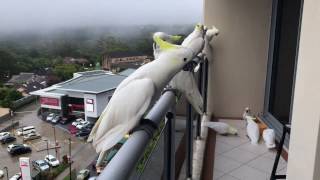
[(123, 163)]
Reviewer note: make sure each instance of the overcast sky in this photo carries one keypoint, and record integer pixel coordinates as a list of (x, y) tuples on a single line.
[(51, 14)]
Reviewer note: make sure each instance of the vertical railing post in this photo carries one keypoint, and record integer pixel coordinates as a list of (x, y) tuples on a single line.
[(189, 144), (204, 94), (169, 150), (200, 79)]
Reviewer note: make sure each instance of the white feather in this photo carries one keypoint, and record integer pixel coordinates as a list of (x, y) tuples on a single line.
[(185, 82), (221, 128), (252, 130), (269, 138)]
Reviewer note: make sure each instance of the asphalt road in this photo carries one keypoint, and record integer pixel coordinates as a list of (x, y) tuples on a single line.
[(81, 152)]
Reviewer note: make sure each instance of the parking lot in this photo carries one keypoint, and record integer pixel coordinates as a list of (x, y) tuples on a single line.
[(81, 153)]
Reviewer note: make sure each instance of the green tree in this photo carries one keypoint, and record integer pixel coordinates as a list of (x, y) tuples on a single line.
[(65, 71), (7, 63)]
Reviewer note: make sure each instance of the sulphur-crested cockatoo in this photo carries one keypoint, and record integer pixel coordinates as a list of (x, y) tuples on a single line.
[(184, 81), (221, 128), (135, 94), (269, 138), (252, 130), (247, 112), (207, 50)]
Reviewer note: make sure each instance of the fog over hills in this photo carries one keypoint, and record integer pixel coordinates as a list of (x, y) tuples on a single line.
[(47, 16)]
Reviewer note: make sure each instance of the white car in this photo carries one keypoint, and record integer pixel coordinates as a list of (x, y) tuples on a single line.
[(31, 136), (77, 121), (50, 117), (16, 176), (40, 165), (82, 124), (51, 160), (4, 134)]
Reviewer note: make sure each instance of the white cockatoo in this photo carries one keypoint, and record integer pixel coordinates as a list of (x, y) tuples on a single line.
[(184, 81), (269, 138), (246, 112), (252, 130), (207, 50), (222, 128), (138, 91)]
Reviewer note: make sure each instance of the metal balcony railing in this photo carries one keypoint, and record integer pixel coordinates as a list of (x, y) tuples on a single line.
[(124, 163)]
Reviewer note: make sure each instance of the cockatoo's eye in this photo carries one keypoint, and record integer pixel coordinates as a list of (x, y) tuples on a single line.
[(184, 59)]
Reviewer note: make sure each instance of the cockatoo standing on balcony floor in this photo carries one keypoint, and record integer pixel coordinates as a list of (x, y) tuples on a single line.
[(137, 92), (184, 81)]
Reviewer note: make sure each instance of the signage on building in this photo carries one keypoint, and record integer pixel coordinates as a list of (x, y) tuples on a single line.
[(89, 105), (25, 168), (49, 101)]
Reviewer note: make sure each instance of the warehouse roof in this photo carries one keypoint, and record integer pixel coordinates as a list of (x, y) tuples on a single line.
[(85, 82), (127, 72)]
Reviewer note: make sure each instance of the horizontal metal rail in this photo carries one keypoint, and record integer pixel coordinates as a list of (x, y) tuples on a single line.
[(123, 163)]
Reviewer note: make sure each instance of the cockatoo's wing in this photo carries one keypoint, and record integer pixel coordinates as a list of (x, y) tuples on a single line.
[(253, 131), (120, 115), (185, 82), (221, 128)]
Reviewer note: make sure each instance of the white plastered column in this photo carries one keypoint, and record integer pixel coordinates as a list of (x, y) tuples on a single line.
[(304, 149)]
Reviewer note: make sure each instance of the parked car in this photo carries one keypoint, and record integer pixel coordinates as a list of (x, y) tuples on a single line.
[(90, 126), (82, 124), (16, 176), (50, 117), (51, 160), (65, 120), (25, 130), (83, 174), (56, 119), (82, 133), (17, 149), (40, 165), (31, 136), (72, 129), (77, 121), (4, 134), (8, 139)]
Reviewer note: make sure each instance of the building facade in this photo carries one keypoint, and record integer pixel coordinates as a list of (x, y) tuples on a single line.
[(86, 94)]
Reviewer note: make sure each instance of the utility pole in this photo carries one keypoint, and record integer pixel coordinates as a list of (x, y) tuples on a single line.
[(46, 140), (55, 140), (11, 116), (70, 158)]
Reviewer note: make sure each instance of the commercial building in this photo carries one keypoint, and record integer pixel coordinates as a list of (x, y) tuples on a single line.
[(86, 94)]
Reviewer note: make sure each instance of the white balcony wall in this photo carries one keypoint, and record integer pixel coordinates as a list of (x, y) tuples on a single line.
[(239, 65)]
